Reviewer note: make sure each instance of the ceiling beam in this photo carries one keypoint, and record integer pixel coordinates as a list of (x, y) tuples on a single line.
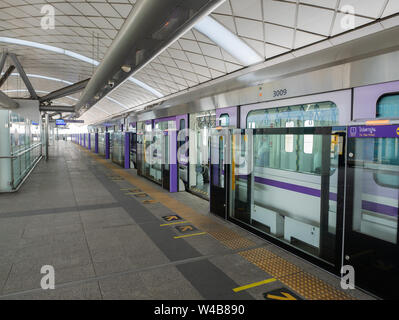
[(66, 91), (23, 75), (6, 102), (6, 75), (57, 108), (151, 27), (3, 61)]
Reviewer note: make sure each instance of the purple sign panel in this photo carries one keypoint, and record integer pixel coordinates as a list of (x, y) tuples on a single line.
[(374, 131)]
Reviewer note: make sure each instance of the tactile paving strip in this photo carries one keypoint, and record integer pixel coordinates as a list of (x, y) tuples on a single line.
[(231, 239), (313, 288), (307, 285), (258, 255)]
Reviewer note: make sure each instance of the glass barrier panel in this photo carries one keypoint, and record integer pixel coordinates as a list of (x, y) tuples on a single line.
[(118, 148), (376, 188), (287, 194)]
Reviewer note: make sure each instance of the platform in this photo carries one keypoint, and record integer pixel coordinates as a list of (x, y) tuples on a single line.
[(110, 234)]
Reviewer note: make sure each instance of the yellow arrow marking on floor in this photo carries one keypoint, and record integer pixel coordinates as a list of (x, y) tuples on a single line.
[(255, 284), (190, 235), (171, 218), (149, 201), (287, 296), (186, 228)]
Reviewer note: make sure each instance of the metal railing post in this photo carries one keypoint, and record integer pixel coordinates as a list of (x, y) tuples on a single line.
[(46, 136)]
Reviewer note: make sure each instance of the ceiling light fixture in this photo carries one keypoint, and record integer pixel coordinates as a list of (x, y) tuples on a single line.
[(126, 68), (146, 87), (227, 40)]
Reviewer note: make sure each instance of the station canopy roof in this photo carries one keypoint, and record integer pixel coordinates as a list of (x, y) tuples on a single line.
[(235, 35)]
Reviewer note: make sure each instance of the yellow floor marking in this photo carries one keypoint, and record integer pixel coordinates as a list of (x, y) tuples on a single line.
[(255, 284), (125, 189), (171, 224), (149, 201), (287, 296), (190, 235)]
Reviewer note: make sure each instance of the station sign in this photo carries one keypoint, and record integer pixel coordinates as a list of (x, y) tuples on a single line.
[(60, 122), (390, 131), (74, 121)]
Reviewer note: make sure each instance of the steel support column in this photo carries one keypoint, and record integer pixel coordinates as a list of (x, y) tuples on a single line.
[(23, 75), (66, 91), (3, 61), (6, 75)]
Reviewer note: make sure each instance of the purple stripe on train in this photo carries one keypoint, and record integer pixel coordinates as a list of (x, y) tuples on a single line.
[(366, 205), (380, 208)]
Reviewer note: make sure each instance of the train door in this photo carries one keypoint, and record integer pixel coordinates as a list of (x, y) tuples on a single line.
[(133, 150), (182, 155), (219, 171), (371, 223), (165, 167)]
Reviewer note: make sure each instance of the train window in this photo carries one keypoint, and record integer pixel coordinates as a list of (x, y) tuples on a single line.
[(224, 120), (300, 153), (182, 124), (388, 106), (308, 139), (386, 150), (322, 114), (289, 138)]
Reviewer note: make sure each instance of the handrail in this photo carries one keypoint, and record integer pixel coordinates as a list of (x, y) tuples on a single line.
[(21, 153)]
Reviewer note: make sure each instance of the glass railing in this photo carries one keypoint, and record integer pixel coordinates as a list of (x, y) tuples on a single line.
[(23, 161), (20, 163)]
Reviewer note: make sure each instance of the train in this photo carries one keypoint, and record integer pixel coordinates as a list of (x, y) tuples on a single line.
[(321, 134)]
